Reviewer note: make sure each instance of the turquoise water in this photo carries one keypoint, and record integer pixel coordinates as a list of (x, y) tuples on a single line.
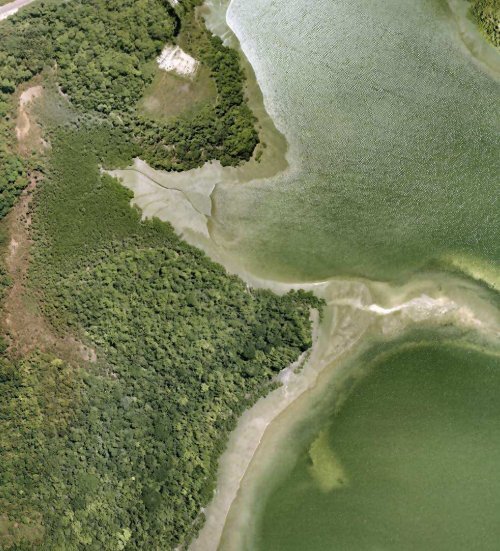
[(393, 129), (408, 462)]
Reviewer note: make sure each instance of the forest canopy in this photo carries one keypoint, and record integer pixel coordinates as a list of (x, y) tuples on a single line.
[(487, 16), (127, 447), (119, 450), (101, 52)]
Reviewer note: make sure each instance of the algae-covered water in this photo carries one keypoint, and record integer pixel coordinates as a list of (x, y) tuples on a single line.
[(393, 131), (408, 461)]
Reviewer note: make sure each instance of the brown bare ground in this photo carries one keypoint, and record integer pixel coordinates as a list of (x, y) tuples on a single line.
[(23, 323), (28, 131)]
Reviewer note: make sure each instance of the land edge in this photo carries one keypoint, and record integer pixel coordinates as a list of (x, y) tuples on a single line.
[(211, 533), (481, 51), (348, 322), (241, 523), (285, 287)]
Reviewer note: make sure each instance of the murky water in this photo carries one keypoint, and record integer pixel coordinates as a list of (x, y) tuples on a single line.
[(408, 461), (391, 114), (385, 165)]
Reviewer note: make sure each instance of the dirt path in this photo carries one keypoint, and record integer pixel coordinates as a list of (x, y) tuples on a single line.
[(10, 9), (28, 132), (24, 326), (22, 322), (23, 120)]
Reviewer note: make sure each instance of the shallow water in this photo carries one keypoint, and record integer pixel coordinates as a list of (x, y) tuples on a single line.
[(390, 114), (355, 315), (393, 133), (408, 461)]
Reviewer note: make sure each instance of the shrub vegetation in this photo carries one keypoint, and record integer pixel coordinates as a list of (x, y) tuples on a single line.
[(487, 15), (123, 454)]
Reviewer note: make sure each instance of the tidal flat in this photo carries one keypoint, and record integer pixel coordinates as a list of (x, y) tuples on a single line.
[(383, 200)]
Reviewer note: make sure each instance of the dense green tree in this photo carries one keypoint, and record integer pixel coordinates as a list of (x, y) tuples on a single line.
[(122, 454), (487, 15)]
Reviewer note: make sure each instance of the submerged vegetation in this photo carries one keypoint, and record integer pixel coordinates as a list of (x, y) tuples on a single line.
[(118, 448), (487, 15)]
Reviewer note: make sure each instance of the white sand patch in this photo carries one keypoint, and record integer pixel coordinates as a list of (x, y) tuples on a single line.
[(174, 59), (8, 13)]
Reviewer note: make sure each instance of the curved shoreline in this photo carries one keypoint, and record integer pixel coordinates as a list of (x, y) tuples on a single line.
[(480, 50), (356, 308), (351, 322), (287, 431), (357, 311)]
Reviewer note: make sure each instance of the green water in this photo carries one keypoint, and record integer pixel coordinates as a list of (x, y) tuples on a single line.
[(391, 113), (393, 128), (392, 175), (409, 462)]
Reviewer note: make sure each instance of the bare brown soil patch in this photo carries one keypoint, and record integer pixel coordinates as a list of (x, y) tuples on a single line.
[(23, 323), (24, 326), (28, 132)]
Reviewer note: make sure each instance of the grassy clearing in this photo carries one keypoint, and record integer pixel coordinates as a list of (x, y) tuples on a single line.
[(12, 532), (170, 95)]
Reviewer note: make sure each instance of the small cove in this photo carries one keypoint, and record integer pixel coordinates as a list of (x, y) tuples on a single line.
[(415, 443)]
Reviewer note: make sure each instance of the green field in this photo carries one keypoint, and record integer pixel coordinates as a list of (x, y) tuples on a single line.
[(170, 96)]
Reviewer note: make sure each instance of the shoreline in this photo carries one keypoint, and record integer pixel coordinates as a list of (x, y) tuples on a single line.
[(12, 8), (355, 308), (484, 54), (351, 322), (285, 434)]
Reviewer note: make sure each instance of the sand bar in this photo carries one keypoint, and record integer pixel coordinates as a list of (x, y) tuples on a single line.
[(174, 59), (356, 312)]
